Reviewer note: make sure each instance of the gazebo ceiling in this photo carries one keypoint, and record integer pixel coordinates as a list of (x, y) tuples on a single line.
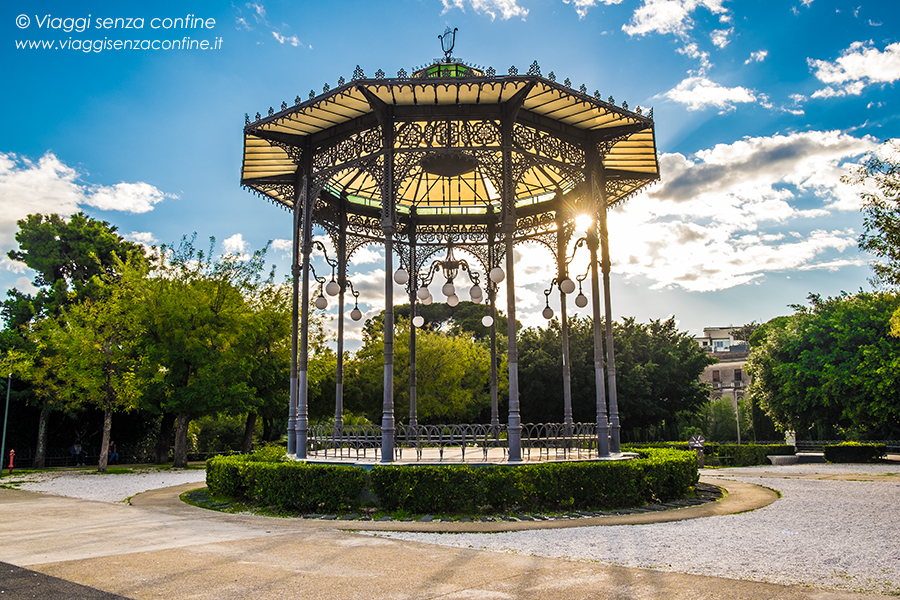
[(447, 121)]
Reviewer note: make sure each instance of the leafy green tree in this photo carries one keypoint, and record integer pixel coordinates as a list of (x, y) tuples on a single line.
[(70, 258), (193, 312), (880, 176), (658, 370), (831, 367), (453, 382), (96, 354)]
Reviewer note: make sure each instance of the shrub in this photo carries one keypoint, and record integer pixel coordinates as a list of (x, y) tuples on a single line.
[(744, 455), (657, 475), (854, 452)]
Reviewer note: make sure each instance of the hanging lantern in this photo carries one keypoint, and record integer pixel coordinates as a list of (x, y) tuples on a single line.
[(580, 300), (321, 302), (567, 286), (497, 275), (418, 320), (487, 320), (401, 276), (452, 300), (332, 289), (356, 314), (423, 293), (475, 294), (448, 289), (427, 299), (547, 313)]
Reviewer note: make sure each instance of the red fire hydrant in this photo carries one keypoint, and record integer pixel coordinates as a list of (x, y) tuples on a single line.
[(12, 455)]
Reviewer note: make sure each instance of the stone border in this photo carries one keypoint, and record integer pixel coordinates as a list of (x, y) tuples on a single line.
[(739, 497)]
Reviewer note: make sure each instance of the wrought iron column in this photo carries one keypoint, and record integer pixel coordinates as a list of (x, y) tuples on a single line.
[(593, 242), (614, 444), (308, 200), (342, 283), (412, 287), (508, 198), (388, 226), (492, 297), (295, 310), (561, 274)]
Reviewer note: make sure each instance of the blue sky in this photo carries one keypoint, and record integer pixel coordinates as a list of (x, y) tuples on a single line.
[(760, 107)]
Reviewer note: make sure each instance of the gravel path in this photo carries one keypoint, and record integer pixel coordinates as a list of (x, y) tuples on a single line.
[(838, 534), (91, 485)]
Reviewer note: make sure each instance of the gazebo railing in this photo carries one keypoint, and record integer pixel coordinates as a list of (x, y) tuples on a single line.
[(559, 440), (546, 440)]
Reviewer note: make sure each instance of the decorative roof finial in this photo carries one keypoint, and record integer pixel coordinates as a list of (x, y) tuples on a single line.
[(448, 40)]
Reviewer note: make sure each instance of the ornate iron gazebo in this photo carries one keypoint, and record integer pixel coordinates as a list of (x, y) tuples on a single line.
[(450, 156)]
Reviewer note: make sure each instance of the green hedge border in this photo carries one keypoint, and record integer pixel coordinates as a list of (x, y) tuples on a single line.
[(730, 455), (854, 452), (657, 475)]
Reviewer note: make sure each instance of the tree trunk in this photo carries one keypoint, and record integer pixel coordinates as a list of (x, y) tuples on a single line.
[(164, 441), (104, 445), (181, 431), (40, 453), (249, 430), (268, 423)]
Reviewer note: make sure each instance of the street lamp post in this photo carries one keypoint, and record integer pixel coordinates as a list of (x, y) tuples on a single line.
[(5, 417)]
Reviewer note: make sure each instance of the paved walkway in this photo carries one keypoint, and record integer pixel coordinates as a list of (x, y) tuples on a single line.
[(160, 547)]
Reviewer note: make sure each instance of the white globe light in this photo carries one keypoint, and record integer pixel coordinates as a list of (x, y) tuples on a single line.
[(475, 294), (448, 289), (452, 300), (567, 286), (332, 288), (423, 293), (321, 302), (418, 320), (580, 300), (547, 312), (356, 314), (497, 275), (428, 300), (487, 320), (401, 276)]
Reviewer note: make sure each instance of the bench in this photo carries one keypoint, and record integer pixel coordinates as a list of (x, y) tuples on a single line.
[(786, 459)]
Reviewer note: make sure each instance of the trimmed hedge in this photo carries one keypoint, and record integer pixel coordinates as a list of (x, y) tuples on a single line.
[(744, 455), (286, 485), (657, 475), (854, 452)]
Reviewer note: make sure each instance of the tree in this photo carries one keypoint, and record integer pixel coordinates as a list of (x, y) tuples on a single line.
[(95, 341), (69, 258), (193, 311), (658, 370), (880, 176), (831, 368), (453, 375)]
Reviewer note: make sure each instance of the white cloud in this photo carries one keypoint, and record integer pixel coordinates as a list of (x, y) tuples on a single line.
[(716, 221), (49, 186), (507, 9), (582, 6), (693, 51), (234, 244), (758, 56), (860, 65), (281, 245), (292, 40), (699, 92), (669, 16), (719, 37), (141, 237)]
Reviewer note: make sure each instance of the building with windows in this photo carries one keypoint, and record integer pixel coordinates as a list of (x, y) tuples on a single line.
[(728, 377)]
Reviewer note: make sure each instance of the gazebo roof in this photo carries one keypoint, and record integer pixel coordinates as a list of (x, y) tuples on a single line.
[(448, 116)]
